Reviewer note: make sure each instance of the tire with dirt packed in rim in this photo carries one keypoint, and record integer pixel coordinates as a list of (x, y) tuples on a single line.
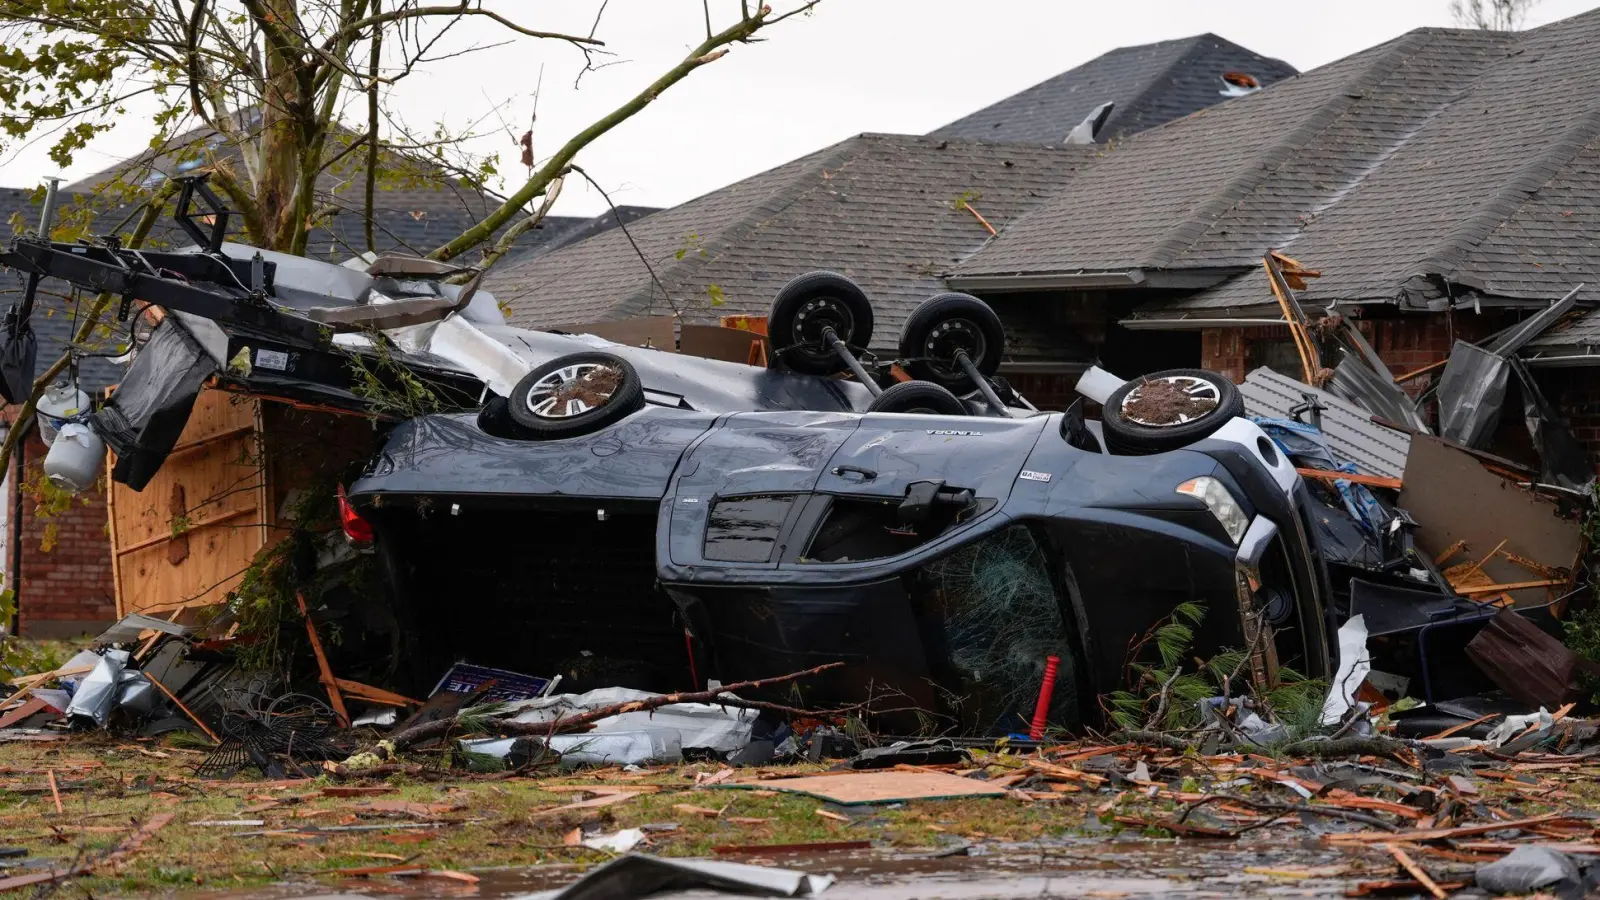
[(1168, 410), (576, 394)]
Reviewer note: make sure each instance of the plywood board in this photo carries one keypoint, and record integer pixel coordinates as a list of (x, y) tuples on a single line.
[(186, 539), (880, 787), (216, 413), (1454, 498), (219, 555)]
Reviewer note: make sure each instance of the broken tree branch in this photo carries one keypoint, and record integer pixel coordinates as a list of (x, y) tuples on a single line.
[(708, 51)]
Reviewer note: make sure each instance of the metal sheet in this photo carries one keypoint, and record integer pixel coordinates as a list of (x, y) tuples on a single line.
[(1472, 391), (1351, 433)]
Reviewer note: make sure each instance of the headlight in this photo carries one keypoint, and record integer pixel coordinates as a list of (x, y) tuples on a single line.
[(1221, 503)]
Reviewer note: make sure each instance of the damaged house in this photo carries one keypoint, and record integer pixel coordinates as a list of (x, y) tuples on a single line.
[(71, 589), (1441, 183), (889, 514)]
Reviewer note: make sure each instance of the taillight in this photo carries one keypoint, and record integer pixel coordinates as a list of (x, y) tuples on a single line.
[(356, 529)]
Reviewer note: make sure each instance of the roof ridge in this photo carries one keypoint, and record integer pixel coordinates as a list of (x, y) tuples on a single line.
[(1261, 166), (1148, 86), (642, 300), (1447, 256)]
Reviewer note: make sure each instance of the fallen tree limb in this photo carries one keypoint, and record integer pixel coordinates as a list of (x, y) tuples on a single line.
[(1289, 809), (1156, 738), (428, 731), (1349, 746)]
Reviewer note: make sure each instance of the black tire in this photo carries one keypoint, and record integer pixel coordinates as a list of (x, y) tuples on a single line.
[(1127, 437), (918, 397), (537, 388), (804, 307), (944, 323)]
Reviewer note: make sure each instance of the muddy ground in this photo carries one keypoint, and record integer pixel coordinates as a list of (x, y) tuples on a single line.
[(297, 838)]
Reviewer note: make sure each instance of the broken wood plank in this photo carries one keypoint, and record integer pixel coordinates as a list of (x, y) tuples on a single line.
[(591, 803), (1449, 551), (1417, 872), (1418, 373), (335, 699), (1511, 586), (374, 695), (186, 710), (1380, 481)]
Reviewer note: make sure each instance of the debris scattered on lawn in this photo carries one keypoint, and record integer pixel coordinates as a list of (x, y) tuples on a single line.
[(636, 875)]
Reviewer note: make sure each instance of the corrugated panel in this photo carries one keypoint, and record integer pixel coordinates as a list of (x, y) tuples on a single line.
[(1350, 431)]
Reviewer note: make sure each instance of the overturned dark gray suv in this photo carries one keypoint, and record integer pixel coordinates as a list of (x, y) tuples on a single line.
[(630, 516)]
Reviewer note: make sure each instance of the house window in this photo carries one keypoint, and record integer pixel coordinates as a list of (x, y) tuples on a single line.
[(1278, 355)]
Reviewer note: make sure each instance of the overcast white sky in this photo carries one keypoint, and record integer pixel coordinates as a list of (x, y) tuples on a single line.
[(851, 66)]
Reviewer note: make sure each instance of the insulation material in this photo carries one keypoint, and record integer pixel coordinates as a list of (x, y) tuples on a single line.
[(1354, 664), (96, 696)]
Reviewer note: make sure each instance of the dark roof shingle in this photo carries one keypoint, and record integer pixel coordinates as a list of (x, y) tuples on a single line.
[(884, 209), (1150, 84), (1441, 165)]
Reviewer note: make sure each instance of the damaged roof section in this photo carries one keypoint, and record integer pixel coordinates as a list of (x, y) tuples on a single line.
[(1443, 164), (1150, 84), (892, 212)]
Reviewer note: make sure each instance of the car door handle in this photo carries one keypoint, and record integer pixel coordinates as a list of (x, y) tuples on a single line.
[(866, 474)]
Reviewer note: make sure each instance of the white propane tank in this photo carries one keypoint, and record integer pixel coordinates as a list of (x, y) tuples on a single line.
[(73, 463), (61, 401)]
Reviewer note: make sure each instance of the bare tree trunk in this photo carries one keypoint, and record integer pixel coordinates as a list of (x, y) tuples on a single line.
[(372, 128), (282, 111)]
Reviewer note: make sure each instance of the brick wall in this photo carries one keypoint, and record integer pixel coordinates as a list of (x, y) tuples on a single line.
[(1575, 393), (66, 590), (1405, 344)]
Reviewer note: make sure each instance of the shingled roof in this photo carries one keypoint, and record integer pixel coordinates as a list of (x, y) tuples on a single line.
[(887, 210), (416, 206), (1150, 84), (56, 307), (1444, 165)]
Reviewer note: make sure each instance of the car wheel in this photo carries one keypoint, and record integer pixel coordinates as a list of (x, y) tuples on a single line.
[(918, 397), (941, 326), (1167, 410), (806, 307), (576, 394)]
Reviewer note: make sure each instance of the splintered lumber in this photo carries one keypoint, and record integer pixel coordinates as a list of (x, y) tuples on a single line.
[(335, 699), (1310, 361), (374, 695), (1417, 872), (1380, 481), (1512, 586), (129, 845), (186, 710)]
